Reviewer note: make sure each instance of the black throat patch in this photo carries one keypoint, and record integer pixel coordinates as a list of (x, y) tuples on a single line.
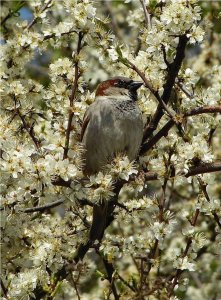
[(133, 95)]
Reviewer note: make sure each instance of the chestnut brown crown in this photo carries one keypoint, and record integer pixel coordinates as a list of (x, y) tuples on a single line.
[(119, 86)]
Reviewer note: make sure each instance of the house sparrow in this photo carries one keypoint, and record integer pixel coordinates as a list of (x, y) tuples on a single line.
[(112, 124)]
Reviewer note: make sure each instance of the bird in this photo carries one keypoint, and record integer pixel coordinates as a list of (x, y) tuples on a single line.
[(112, 124)]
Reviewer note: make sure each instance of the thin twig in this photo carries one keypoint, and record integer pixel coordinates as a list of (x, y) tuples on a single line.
[(203, 187), (82, 202), (184, 89), (185, 253), (161, 205), (26, 125), (28, 129), (152, 255), (161, 216), (165, 56), (196, 279), (211, 133), (50, 36), (11, 13), (150, 292), (110, 275), (114, 25), (146, 14), (123, 207), (36, 18), (53, 35), (83, 218), (73, 95), (42, 208), (4, 289), (76, 290), (125, 282), (75, 285)]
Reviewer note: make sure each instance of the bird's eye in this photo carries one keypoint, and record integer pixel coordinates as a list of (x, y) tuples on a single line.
[(120, 83)]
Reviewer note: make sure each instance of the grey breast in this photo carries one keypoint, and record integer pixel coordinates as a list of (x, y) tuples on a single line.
[(115, 126)]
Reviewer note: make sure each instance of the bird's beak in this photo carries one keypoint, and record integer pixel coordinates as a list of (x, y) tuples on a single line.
[(135, 85)]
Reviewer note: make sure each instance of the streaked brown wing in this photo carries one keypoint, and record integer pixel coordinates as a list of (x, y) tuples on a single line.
[(84, 126)]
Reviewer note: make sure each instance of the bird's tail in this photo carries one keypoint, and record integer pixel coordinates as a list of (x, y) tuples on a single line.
[(99, 221), (98, 226), (81, 251), (102, 217)]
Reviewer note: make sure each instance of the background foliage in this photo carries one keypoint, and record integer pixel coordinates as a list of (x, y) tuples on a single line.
[(163, 240)]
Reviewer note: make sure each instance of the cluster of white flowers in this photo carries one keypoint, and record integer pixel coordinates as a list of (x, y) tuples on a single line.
[(62, 67), (122, 168), (178, 17), (103, 185), (209, 207), (24, 282)]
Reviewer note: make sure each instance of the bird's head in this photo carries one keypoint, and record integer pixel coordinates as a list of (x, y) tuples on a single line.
[(119, 86)]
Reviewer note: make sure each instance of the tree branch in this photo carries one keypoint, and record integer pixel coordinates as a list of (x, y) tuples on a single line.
[(200, 169), (165, 129), (150, 176), (173, 71), (58, 181), (204, 168), (162, 104), (162, 132), (170, 80), (203, 110)]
